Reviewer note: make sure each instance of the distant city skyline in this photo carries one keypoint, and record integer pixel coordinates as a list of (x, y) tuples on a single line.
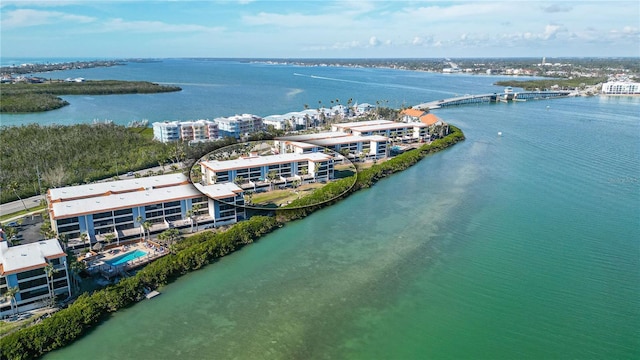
[(319, 29)]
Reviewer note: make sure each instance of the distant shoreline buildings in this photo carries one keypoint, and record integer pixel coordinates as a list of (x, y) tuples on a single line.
[(620, 88)]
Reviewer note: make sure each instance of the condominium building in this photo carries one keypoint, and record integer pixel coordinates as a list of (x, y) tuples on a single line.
[(239, 125), (395, 131), (193, 131), (258, 172), (621, 88), (25, 267), (121, 207), (168, 131), (354, 146)]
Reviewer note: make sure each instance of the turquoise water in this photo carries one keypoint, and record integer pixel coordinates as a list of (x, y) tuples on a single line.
[(214, 88), (124, 258), (520, 246)]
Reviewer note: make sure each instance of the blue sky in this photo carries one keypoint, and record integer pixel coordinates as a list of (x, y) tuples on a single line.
[(319, 29)]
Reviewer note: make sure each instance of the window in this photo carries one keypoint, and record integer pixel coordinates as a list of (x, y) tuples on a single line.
[(68, 221), (30, 273), (102, 215), (33, 293), (123, 212)]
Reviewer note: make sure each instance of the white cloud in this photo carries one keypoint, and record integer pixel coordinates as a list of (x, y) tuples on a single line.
[(551, 31), (153, 27), (373, 41), (28, 17)]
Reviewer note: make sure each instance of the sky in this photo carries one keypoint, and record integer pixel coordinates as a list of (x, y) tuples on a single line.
[(319, 29)]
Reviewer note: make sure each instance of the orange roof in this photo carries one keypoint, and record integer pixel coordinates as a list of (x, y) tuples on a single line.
[(429, 119), (413, 112)]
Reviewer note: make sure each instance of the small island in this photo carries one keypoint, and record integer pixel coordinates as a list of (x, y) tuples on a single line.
[(42, 95)]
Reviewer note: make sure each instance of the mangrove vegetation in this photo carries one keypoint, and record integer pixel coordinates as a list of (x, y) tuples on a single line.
[(548, 84), (27, 97), (193, 253), (34, 158)]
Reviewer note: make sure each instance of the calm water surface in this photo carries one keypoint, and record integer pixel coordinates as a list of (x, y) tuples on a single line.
[(520, 246), (214, 88)]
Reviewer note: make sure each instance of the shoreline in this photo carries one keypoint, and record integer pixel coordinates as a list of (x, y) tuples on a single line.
[(192, 253)]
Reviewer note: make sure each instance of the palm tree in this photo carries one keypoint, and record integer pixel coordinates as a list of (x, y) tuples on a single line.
[(14, 187), (84, 237), (139, 221), (147, 228), (190, 216), (272, 176), (64, 240), (196, 208), (76, 267), (109, 238), (248, 197), (50, 270), (11, 295)]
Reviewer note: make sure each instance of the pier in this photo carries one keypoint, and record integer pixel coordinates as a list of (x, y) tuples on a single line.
[(493, 97)]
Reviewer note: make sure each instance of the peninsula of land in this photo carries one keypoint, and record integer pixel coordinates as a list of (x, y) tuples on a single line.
[(46, 67), (38, 94)]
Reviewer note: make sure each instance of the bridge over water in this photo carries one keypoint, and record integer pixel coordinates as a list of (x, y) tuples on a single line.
[(493, 97)]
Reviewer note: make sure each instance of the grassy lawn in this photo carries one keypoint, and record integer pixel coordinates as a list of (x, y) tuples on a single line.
[(21, 212), (276, 198)]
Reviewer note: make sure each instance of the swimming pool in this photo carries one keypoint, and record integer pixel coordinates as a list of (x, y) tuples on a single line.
[(126, 257)]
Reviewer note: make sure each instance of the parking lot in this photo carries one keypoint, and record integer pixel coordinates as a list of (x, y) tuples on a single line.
[(29, 230)]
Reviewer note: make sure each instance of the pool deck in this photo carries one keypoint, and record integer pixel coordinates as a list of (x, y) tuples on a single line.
[(99, 262)]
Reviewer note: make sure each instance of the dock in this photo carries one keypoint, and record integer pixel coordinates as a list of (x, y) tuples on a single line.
[(152, 294)]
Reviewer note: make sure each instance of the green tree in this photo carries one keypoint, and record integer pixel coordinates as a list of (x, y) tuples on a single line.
[(50, 270), (191, 215), (147, 228), (76, 267), (64, 240), (109, 238), (139, 222), (13, 186), (11, 295), (169, 236), (272, 175), (85, 237)]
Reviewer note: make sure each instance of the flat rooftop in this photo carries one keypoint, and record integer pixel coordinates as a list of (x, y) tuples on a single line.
[(348, 140), (259, 161), (310, 137), (393, 125), (117, 186), (219, 190), (30, 256), (116, 201), (349, 125)]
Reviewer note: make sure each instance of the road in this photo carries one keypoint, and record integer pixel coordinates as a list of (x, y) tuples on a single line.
[(15, 206)]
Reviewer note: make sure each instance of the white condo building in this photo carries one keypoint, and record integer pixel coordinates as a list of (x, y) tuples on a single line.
[(24, 267), (199, 130), (621, 88), (258, 172), (353, 146), (239, 125), (394, 131), (121, 207)]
